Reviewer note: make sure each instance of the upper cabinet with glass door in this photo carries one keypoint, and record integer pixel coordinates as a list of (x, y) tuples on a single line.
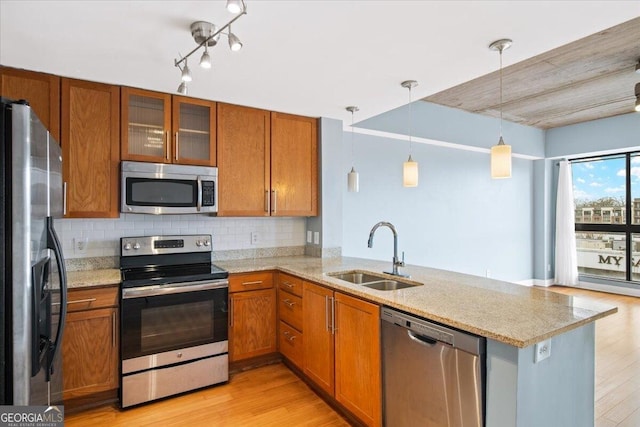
[(161, 128)]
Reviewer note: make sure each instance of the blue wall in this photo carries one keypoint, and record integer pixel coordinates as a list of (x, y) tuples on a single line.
[(615, 133), (458, 218)]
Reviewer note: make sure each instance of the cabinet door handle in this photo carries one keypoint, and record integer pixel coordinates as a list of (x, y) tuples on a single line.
[(289, 303), (113, 331), (166, 144), (255, 282), (231, 312), (267, 201), (326, 312), (78, 301), (177, 150), (64, 198), (333, 316), (274, 202)]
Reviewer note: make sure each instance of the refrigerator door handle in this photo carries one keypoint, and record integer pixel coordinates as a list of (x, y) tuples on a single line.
[(53, 243)]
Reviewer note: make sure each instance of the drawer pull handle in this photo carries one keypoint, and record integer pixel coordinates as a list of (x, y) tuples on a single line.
[(288, 336), (78, 301), (179, 355), (255, 282), (289, 303), (288, 285)]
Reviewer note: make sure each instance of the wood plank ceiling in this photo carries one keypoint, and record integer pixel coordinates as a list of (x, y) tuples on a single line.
[(591, 78)]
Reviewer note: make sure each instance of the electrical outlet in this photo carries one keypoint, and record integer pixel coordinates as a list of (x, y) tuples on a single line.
[(549, 267), (80, 245), (542, 350), (316, 238), (309, 236), (254, 237)]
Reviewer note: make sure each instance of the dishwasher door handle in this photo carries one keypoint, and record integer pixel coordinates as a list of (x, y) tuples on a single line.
[(421, 339)]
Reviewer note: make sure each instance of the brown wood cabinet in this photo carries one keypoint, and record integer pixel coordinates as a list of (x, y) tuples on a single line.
[(268, 163), (358, 381), (90, 148), (342, 350), (252, 319), (319, 347), (163, 128), (294, 165), (290, 315), (90, 345), (40, 89)]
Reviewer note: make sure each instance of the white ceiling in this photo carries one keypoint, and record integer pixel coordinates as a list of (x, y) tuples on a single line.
[(304, 57)]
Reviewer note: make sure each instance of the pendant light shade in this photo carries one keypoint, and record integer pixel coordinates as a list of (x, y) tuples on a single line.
[(353, 180), (410, 167), (410, 173), (501, 160), (501, 153)]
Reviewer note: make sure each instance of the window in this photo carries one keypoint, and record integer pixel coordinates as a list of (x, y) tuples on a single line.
[(607, 201)]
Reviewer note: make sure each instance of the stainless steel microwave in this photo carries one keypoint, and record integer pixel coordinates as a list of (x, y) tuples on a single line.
[(157, 188)]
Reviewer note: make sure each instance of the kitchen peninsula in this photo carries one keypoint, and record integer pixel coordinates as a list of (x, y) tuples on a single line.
[(557, 391)]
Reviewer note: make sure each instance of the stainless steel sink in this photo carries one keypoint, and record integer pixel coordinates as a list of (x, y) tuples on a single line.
[(356, 277), (380, 283), (389, 285)]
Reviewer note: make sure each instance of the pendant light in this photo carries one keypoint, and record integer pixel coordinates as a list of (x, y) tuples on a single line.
[(410, 167), (501, 153), (353, 180)]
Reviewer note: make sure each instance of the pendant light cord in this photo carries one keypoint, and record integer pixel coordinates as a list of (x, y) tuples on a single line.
[(501, 49), (410, 119), (352, 157)]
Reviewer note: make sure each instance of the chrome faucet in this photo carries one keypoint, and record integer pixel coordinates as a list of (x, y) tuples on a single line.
[(396, 262)]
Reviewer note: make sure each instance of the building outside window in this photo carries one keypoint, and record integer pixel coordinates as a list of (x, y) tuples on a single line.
[(606, 193)]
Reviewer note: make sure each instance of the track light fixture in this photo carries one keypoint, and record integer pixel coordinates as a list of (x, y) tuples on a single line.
[(638, 97), (207, 34), (638, 67)]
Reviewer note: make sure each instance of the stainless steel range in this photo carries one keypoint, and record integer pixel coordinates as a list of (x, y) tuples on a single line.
[(173, 318)]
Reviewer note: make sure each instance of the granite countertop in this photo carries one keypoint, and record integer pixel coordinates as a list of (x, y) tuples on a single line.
[(89, 278), (513, 314)]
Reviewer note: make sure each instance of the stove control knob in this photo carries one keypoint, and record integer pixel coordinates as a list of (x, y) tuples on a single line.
[(127, 246), (207, 242), (198, 243), (136, 246)]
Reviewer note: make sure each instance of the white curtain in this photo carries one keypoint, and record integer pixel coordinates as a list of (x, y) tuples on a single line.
[(566, 255)]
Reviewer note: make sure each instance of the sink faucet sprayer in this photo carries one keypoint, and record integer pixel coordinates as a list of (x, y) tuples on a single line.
[(396, 262)]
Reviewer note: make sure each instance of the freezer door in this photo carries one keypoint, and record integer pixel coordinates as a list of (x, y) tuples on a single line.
[(29, 210)]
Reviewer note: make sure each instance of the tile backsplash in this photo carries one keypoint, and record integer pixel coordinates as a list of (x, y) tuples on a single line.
[(101, 237)]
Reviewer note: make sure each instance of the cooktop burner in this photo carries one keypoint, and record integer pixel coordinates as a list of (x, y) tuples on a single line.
[(154, 260)]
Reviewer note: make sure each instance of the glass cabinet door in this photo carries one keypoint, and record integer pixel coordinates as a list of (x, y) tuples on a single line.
[(194, 131), (146, 124)]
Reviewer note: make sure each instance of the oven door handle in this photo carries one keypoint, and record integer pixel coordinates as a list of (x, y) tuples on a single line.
[(174, 288)]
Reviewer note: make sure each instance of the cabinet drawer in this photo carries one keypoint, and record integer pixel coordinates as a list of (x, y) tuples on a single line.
[(91, 298), (290, 344), (290, 309), (290, 283), (250, 281)]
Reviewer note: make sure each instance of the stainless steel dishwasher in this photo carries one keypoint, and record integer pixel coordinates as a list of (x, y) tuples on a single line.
[(433, 376)]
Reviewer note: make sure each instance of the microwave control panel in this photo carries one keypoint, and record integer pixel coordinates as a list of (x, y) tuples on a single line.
[(208, 193)]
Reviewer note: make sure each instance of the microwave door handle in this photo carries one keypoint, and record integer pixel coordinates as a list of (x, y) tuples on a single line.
[(199, 202)]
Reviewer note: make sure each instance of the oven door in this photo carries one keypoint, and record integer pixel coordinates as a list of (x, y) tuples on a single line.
[(155, 319)]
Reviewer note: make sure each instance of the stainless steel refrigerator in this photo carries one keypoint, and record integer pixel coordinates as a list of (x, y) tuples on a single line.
[(32, 272)]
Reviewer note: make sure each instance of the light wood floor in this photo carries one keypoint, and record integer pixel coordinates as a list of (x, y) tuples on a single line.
[(617, 360), (267, 396), (274, 396)]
